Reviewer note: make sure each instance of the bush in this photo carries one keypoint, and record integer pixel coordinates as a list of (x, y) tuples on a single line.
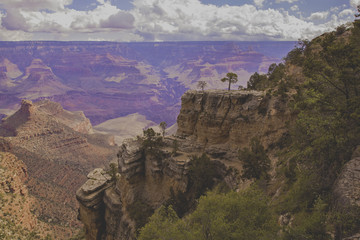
[(256, 163)]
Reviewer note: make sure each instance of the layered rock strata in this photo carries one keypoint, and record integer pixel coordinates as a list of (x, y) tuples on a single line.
[(142, 178), (217, 123), (232, 117)]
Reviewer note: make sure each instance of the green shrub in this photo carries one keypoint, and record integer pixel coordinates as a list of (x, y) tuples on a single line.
[(256, 163)]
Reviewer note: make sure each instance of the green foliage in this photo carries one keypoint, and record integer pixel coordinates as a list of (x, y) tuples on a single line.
[(201, 85), (151, 141), (179, 202), (113, 170), (256, 163), (164, 224), (140, 212), (257, 81), (202, 173), (262, 81), (309, 225), (325, 133), (231, 78), (328, 127), (296, 56), (346, 221), (242, 216)]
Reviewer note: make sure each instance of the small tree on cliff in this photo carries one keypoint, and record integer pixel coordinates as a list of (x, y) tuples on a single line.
[(201, 85), (151, 141), (163, 126), (231, 78)]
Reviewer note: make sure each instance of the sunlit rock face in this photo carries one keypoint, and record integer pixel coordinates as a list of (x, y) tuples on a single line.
[(110, 80), (232, 118)]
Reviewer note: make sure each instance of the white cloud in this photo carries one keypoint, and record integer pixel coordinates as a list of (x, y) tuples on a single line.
[(66, 20), (354, 3), (294, 8), (289, 1), (346, 13), (36, 4), (318, 16), (121, 19), (162, 20), (174, 20), (259, 3), (12, 35)]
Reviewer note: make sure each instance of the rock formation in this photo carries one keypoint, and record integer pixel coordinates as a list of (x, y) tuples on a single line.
[(58, 152), (215, 122), (346, 190)]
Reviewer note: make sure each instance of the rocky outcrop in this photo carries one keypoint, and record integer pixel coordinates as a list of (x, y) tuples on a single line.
[(142, 178), (217, 123), (346, 190), (232, 118), (90, 196)]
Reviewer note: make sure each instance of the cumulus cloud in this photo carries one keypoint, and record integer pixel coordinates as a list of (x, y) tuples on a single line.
[(346, 13), (289, 1), (36, 4), (354, 3), (319, 16), (13, 20), (165, 20), (174, 20), (12, 35), (64, 20), (119, 20), (259, 3), (294, 8)]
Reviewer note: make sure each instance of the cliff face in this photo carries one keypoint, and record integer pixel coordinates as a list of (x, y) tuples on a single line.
[(142, 184), (215, 122), (232, 118)]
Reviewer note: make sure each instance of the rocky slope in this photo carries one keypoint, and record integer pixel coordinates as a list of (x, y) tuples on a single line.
[(57, 150), (17, 218), (214, 122), (146, 78)]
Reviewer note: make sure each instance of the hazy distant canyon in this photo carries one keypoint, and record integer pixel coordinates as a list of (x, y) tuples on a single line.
[(108, 80)]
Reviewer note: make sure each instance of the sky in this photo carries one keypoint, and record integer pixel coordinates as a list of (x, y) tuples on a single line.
[(171, 20)]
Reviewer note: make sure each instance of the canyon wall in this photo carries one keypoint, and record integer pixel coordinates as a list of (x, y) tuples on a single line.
[(217, 123)]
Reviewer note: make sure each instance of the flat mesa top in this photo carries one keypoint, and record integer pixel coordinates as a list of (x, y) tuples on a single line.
[(227, 92)]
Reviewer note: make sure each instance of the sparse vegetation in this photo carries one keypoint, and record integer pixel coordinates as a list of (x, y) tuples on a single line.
[(163, 126), (113, 171), (151, 141), (231, 78), (201, 85)]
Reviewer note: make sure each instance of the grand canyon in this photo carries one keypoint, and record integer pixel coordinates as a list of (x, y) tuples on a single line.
[(82, 155)]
